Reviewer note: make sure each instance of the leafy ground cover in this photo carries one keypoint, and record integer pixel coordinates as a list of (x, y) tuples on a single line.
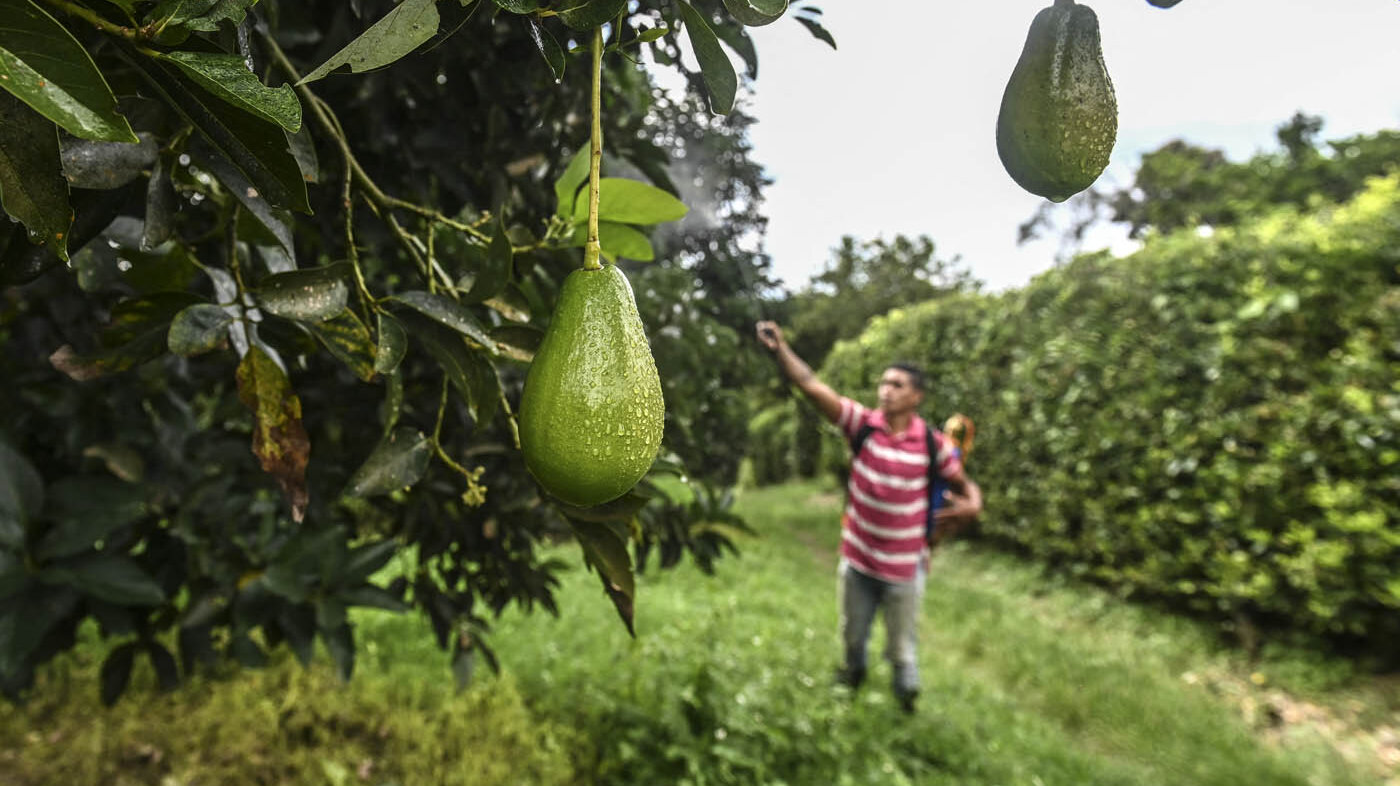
[(1028, 680)]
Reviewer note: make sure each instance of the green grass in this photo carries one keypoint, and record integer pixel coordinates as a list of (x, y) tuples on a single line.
[(1027, 680)]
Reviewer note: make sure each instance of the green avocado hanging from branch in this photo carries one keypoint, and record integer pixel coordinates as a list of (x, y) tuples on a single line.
[(1059, 116), (592, 414)]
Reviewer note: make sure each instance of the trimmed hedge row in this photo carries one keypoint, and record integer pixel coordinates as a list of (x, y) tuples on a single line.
[(1212, 420)]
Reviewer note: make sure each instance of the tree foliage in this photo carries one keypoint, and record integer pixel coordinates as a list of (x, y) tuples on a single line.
[(348, 274), (1212, 421)]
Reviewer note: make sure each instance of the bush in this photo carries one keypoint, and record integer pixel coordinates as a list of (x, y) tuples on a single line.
[(1212, 420)]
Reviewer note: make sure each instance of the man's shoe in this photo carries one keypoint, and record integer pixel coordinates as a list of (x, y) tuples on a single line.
[(907, 700), (850, 678)]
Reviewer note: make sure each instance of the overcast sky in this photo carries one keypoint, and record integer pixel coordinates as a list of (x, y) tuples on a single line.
[(895, 132)]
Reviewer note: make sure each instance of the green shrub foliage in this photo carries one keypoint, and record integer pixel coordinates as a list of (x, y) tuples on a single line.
[(1214, 420)]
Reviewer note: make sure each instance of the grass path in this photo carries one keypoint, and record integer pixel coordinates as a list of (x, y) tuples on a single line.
[(1027, 682)]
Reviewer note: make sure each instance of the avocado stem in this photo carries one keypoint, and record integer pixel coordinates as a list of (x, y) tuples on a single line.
[(591, 249)]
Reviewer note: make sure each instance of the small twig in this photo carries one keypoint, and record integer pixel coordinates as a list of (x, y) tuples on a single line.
[(92, 18)]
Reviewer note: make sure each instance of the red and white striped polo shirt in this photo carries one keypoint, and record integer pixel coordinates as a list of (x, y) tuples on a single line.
[(882, 529)]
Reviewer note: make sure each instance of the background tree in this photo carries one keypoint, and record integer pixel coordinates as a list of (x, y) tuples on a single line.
[(351, 274)]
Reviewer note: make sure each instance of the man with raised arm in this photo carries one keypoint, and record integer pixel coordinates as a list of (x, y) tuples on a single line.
[(888, 520)]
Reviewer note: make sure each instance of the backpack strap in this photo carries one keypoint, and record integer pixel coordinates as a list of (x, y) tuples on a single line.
[(863, 433)]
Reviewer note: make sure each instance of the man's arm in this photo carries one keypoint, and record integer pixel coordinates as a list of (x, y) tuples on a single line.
[(793, 367)]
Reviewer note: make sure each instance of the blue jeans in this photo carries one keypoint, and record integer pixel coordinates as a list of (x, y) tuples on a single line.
[(858, 598)]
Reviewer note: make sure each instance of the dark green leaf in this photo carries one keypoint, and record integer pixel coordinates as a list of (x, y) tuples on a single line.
[(200, 328), (308, 295), (200, 15), (304, 151), (469, 371), (21, 495), (511, 304), (161, 204), (496, 269), (167, 674), (110, 577), (119, 260), (393, 343), (756, 13), (340, 643), (196, 646), (817, 31), (588, 14), (32, 188), (519, 6), (517, 342), (228, 77), (45, 66), (619, 510), (247, 652), (298, 624), (738, 39), (116, 672), (392, 406), (549, 48), (370, 596), (365, 560), (274, 221), (348, 339), (720, 79), (400, 31), (449, 312), (606, 551), (398, 462), (103, 165), (14, 577), (257, 149), (137, 334), (566, 188), (85, 510), (626, 201), (330, 614), (27, 619), (279, 439)]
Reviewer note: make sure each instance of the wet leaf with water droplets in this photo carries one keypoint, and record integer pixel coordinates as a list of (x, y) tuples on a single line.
[(46, 68), (400, 31), (32, 188), (348, 339), (199, 328), (398, 462), (449, 312), (227, 76), (393, 343), (309, 295), (105, 165)]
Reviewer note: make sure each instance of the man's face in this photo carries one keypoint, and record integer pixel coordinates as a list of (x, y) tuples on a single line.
[(896, 393)]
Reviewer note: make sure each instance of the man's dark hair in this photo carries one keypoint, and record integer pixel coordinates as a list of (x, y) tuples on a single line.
[(916, 374)]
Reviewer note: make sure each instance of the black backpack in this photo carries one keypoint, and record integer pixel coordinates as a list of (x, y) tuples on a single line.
[(936, 484)]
